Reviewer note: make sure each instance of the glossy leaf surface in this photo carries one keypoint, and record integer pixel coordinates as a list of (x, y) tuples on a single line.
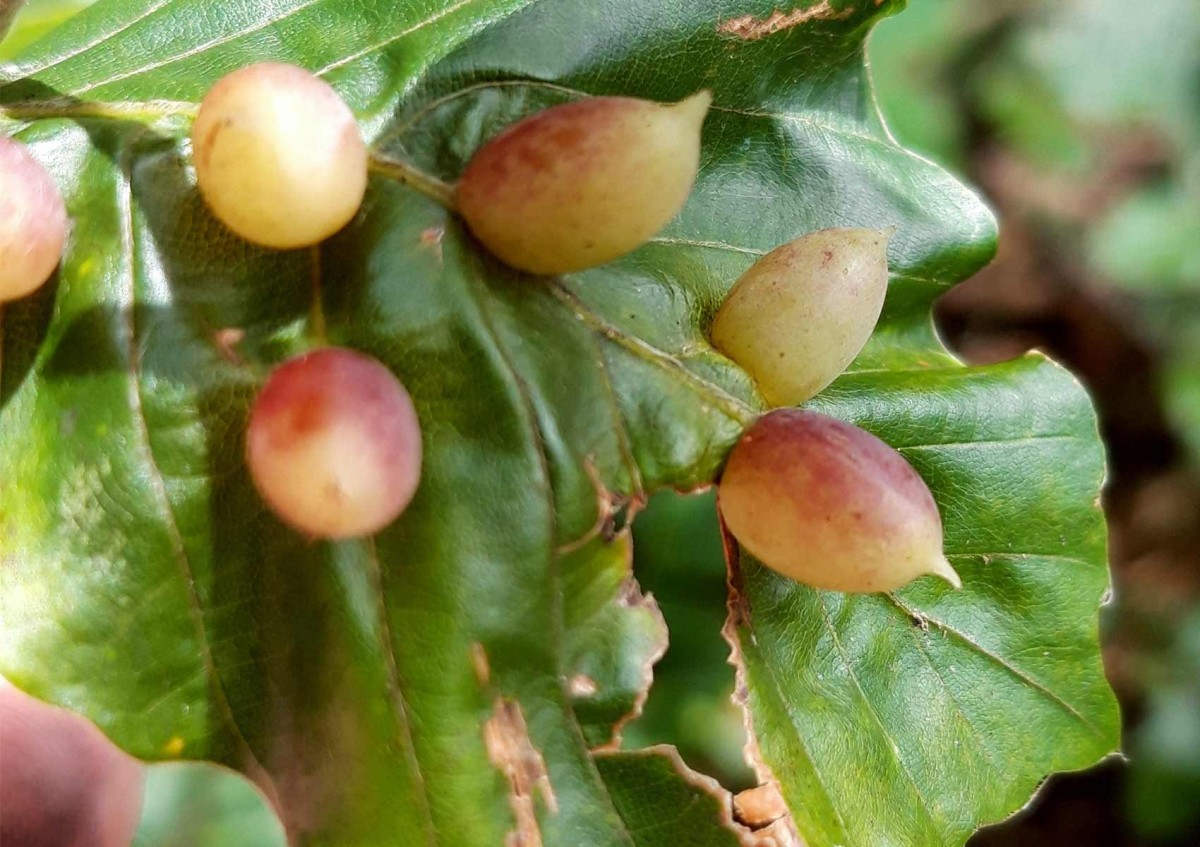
[(368, 684)]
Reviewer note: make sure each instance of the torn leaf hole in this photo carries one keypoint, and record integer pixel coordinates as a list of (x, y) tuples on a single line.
[(511, 752)]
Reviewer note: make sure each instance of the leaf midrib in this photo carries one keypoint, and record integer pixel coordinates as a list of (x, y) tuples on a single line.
[(973, 645), (128, 244), (401, 711), (893, 746), (545, 487)]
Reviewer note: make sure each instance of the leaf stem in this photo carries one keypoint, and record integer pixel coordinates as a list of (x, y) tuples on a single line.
[(151, 110), (66, 107), (317, 310), (414, 178)]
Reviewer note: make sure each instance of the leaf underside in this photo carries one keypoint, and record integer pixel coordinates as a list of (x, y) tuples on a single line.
[(368, 685)]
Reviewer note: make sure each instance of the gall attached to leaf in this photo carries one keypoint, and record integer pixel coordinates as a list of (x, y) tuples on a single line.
[(334, 445), (801, 313), (830, 505), (279, 156), (583, 183)]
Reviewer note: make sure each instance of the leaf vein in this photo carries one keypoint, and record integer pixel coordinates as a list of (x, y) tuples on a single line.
[(106, 37), (932, 369), (128, 244), (624, 442), (710, 245), (430, 106), (399, 703), (990, 442), (980, 737), (894, 747), (975, 646), (434, 18), (199, 48), (476, 286), (782, 691), (824, 126), (968, 554), (730, 406)]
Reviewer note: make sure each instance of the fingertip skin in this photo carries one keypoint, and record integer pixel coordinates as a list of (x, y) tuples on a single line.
[(580, 184), (62, 783), (830, 505), (33, 222), (334, 445), (798, 316)]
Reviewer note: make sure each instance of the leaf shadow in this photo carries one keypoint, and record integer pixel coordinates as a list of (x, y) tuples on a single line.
[(267, 599), (158, 244), (161, 318)]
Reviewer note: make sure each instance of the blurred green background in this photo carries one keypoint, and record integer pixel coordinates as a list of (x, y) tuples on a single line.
[(1080, 121)]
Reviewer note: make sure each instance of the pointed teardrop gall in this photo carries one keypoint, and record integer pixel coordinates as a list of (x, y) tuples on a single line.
[(801, 313), (580, 184), (830, 505)]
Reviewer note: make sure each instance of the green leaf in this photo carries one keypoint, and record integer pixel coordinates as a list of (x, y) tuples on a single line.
[(34, 21), (910, 55), (952, 705), (194, 805), (445, 681), (664, 803)]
